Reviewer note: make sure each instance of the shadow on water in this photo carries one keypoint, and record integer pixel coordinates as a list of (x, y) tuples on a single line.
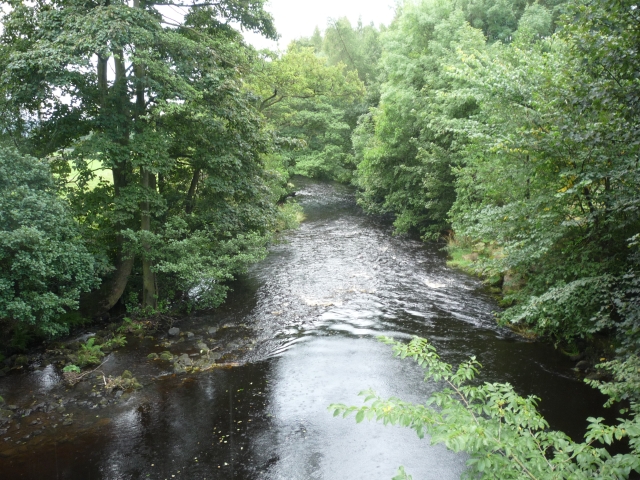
[(301, 332)]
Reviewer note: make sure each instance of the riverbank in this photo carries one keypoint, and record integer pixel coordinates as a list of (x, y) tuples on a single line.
[(473, 259)]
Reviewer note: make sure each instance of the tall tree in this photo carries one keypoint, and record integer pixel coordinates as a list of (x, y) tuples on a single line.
[(163, 71)]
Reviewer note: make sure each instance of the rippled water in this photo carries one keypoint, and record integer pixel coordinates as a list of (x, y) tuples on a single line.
[(302, 328)]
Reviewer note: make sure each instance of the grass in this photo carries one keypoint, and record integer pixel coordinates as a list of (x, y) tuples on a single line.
[(461, 257), (96, 167), (291, 215)]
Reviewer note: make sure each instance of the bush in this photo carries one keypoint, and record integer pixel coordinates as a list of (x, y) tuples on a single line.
[(44, 266), (502, 432)]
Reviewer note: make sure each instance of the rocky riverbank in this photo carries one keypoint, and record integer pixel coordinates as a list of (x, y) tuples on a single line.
[(72, 401)]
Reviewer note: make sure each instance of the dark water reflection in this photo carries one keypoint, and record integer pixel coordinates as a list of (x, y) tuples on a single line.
[(310, 314)]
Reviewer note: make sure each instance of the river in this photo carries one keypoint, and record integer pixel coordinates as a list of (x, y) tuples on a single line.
[(298, 333)]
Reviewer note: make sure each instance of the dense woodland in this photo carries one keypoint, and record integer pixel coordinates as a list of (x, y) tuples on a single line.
[(145, 152)]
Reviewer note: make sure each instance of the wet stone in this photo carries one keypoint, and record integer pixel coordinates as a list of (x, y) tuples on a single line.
[(67, 421), (5, 415), (583, 365), (185, 360), (173, 332), (166, 356), (190, 335), (212, 330), (202, 346)]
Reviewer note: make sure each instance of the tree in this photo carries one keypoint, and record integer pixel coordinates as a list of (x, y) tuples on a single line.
[(304, 98), (44, 264), (409, 142), (550, 178), (167, 75)]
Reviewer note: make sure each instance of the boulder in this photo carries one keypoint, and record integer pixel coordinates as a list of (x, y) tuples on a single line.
[(185, 360), (21, 360), (583, 365), (174, 331), (166, 355)]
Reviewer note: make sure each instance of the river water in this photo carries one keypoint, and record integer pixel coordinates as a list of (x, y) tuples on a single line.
[(297, 334)]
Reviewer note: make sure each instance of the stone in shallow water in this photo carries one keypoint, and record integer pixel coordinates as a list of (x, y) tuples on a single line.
[(175, 331), (212, 330), (185, 360)]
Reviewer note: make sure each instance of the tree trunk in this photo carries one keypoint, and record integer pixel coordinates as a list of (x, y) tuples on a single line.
[(149, 290), (114, 286), (99, 302), (103, 86), (149, 282), (190, 201)]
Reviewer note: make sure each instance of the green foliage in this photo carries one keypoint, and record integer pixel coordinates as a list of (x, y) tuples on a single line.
[(291, 214), (307, 101), (114, 342), (503, 433), (407, 144), (129, 326), (71, 369), (89, 353), (175, 129), (197, 263), (44, 264), (544, 174)]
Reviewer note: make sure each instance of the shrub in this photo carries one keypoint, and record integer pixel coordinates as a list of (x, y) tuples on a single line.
[(503, 433)]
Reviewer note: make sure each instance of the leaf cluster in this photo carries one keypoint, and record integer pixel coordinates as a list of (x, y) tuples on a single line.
[(503, 433)]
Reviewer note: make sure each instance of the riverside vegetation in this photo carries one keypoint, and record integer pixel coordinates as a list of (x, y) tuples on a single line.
[(508, 127)]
